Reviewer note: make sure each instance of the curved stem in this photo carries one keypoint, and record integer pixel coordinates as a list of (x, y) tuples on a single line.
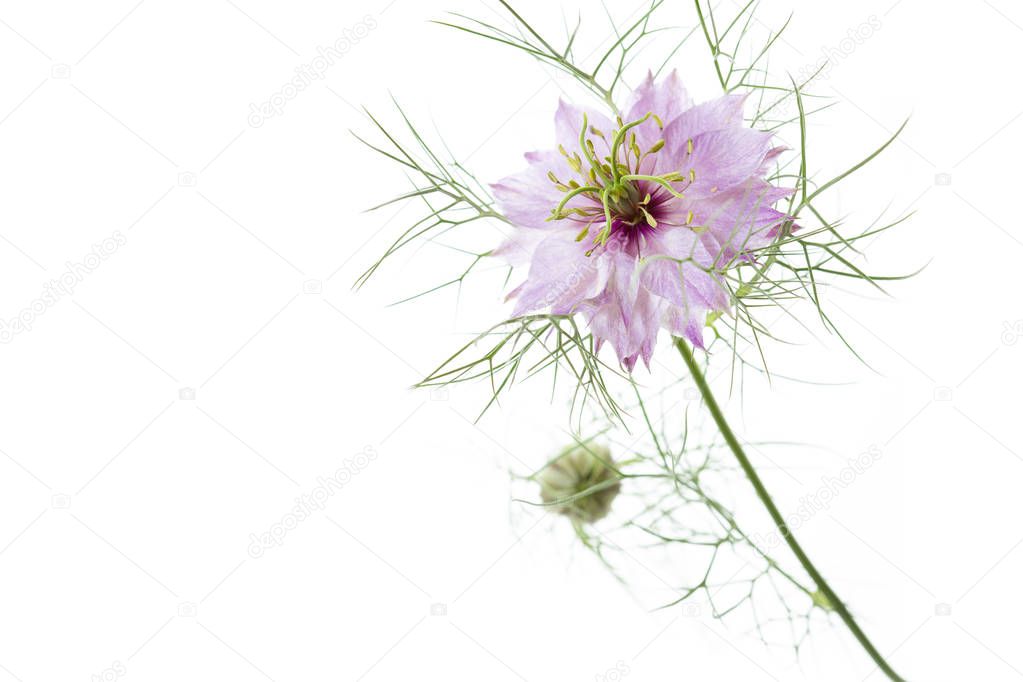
[(779, 521)]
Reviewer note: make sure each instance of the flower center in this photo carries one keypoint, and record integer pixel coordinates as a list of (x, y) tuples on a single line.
[(620, 196)]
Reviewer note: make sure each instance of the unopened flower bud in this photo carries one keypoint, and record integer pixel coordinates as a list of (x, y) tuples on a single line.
[(581, 483)]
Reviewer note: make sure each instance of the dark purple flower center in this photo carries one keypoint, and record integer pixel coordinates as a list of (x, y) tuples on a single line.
[(619, 198)]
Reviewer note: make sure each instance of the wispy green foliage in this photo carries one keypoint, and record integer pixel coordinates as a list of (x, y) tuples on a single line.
[(448, 196), (525, 346), (811, 250), (604, 68), (672, 521)]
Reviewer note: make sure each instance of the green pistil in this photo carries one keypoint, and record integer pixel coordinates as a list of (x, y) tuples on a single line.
[(662, 180), (558, 212), (612, 181), (620, 137), (587, 146)]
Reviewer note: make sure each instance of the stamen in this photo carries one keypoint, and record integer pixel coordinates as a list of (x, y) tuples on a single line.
[(614, 186), (587, 147), (620, 136), (649, 218)]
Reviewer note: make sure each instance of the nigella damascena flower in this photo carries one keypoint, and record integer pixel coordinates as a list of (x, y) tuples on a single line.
[(633, 223)]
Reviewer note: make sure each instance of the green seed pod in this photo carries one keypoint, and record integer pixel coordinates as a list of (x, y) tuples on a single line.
[(581, 483)]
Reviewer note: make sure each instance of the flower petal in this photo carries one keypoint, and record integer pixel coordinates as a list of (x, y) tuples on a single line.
[(632, 336), (568, 124), (667, 99), (682, 272), (721, 159), (528, 197), (561, 276), (741, 219)]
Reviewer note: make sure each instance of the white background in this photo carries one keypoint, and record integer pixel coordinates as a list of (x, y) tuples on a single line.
[(127, 510)]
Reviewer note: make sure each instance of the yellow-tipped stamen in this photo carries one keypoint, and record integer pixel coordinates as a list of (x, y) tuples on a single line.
[(649, 218), (612, 182)]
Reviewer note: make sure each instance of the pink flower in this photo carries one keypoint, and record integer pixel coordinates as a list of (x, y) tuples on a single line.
[(642, 243)]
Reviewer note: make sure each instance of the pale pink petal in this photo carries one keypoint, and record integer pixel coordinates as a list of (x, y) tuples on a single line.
[(519, 247), (561, 276), (721, 159), (631, 336), (740, 219), (679, 272), (528, 198), (568, 124), (666, 99)]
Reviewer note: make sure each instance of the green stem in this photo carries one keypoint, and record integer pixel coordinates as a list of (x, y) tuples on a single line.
[(733, 443)]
